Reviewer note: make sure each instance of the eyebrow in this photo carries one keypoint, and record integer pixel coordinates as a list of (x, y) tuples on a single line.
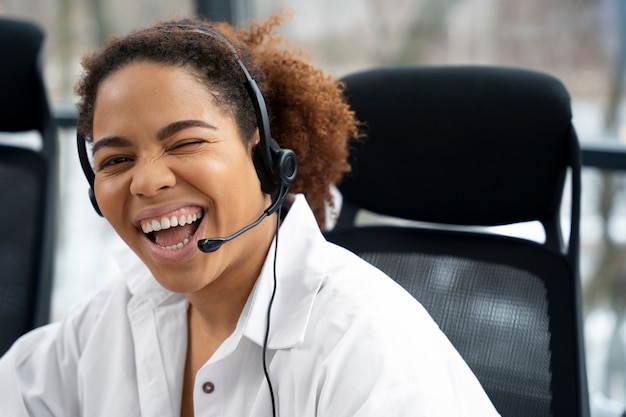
[(163, 133), (172, 128), (113, 141)]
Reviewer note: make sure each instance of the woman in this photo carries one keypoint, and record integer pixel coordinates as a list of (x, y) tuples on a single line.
[(230, 301)]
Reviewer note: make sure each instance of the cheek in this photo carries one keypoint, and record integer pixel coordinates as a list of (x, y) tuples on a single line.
[(226, 175), (111, 195)]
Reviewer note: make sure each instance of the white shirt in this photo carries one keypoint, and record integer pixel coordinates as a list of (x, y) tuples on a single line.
[(345, 340)]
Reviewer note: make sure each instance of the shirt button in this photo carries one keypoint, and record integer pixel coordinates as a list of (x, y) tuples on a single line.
[(208, 387)]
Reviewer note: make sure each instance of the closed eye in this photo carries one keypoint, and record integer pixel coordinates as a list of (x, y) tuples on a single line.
[(185, 147), (187, 143)]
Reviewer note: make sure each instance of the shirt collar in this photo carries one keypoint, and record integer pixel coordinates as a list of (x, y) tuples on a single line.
[(299, 275)]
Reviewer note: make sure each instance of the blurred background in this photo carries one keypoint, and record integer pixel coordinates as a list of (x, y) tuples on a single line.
[(581, 42)]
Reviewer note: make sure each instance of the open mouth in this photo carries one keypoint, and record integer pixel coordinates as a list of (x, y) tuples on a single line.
[(174, 231)]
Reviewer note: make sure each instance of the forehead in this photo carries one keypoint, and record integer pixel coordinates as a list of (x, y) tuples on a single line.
[(146, 93), (148, 76)]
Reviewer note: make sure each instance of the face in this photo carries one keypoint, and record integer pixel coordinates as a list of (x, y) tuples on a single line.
[(171, 168)]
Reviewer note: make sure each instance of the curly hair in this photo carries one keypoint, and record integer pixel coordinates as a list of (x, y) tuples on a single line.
[(307, 109)]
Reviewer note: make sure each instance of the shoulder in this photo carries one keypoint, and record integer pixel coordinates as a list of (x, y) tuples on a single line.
[(42, 367), (329, 281), (360, 308), (68, 336), (351, 283)]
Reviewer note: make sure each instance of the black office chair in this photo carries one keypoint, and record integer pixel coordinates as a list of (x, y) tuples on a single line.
[(455, 151), (28, 184)]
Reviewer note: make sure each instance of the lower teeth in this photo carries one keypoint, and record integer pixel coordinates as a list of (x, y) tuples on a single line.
[(179, 245)]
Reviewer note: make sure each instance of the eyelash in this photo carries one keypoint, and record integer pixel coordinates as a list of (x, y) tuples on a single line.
[(116, 160), (185, 143)]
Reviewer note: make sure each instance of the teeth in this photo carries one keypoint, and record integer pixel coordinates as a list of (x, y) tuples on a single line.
[(166, 223), (177, 246)]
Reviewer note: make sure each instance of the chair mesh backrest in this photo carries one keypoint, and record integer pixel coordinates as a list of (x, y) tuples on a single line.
[(496, 314), (474, 147)]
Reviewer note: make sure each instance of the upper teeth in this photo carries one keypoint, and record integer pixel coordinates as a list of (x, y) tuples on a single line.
[(167, 222)]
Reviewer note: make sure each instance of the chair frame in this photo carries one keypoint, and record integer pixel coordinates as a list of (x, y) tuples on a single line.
[(431, 235), (27, 109)]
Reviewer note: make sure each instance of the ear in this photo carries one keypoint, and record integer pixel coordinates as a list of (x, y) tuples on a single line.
[(253, 142), (264, 172)]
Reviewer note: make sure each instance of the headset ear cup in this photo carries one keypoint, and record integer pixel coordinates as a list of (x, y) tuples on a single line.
[(286, 167), (94, 202), (282, 170)]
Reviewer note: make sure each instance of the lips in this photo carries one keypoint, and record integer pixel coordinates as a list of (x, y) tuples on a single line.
[(174, 230)]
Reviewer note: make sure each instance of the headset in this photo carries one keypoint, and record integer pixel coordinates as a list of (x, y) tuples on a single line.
[(276, 168)]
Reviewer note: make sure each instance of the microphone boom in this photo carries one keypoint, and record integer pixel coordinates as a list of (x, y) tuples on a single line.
[(209, 245)]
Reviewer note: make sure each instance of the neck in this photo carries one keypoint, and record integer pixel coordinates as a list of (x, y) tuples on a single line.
[(219, 304)]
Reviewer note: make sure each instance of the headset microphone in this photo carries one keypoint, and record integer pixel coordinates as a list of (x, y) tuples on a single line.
[(209, 245)]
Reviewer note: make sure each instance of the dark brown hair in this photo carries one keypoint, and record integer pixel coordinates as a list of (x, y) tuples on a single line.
[(307, 109)]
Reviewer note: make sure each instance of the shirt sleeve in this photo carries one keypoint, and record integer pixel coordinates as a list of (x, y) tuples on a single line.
[(399, 365), (450, 390), (438, 385)]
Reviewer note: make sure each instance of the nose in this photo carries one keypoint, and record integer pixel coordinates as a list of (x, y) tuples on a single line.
[(151, 176)]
